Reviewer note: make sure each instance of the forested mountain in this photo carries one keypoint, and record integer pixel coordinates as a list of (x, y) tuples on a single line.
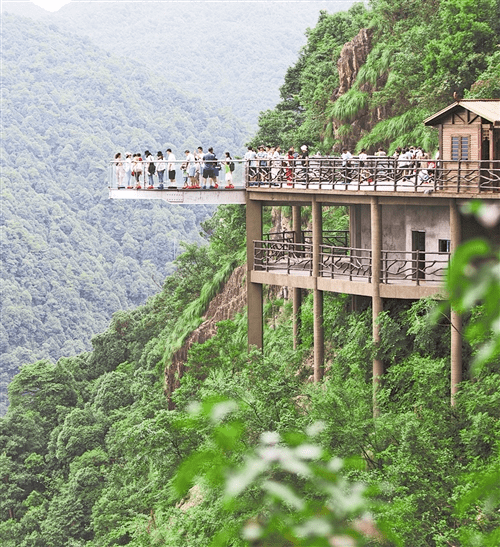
[(233, 54), (70, 103), (91, 455), (367, 78), (246, 451), (70, 256)]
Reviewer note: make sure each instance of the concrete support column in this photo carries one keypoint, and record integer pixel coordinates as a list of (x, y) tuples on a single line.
[(319, 338), (377, 304), (297, 223), (455, 318), (297, 293), (297, 323), (254, 290)]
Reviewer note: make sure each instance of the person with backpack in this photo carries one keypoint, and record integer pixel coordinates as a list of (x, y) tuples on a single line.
[(151, 168), (228, 164), (210, 171)]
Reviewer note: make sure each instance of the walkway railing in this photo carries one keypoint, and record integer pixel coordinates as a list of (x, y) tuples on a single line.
[(416, 266), (335, 238), (378, 173), (327, 173), (283, 257), (345, 262), (338, 238), (284, 237), (350, 263)]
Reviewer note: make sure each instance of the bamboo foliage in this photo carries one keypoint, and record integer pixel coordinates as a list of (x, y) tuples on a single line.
[(403, 130), (346, 107), (377, 65)]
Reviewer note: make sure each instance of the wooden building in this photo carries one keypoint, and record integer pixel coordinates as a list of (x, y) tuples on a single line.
[(468, 130)]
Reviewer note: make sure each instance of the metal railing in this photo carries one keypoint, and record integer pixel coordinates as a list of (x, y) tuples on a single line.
[(283, 257), (345, 263), (377, 173), (339, 238), (337, 262), (335, 238), (135, 175), (417, 266), (284, 237)]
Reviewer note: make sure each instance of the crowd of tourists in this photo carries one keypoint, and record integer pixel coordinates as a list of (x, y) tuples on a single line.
[(267, 164), (405, 162), (200, 170)]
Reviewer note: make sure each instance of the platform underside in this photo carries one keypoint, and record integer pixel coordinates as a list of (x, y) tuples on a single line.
[(184, 197)]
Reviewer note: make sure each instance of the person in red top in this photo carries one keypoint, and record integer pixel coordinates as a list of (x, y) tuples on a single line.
[(291, 164)]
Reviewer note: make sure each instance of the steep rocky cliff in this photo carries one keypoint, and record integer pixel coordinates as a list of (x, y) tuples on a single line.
[(226, 304), (352, 58), (352, 126)]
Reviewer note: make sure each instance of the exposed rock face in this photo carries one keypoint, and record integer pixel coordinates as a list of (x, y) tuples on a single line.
[(352, 57), (225, 305), (280, 223)]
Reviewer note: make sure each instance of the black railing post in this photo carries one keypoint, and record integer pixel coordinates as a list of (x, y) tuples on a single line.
[(395, 171)]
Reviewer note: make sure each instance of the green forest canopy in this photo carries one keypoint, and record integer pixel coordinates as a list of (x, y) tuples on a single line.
[(89, 450), (420, 54)]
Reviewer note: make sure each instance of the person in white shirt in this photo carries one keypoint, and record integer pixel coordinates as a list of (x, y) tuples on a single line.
[(191, 169), (346, 164), (251, 164), (128, 169), (160, 168), (404, 161), (274, 162), (365, 174), (119, 170), (171, 168)]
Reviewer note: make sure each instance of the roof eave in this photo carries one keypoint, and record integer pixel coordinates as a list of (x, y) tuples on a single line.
[(440, 113)]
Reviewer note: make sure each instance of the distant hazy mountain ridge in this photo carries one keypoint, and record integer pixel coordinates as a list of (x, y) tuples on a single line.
[(70, 256), (233, 54)]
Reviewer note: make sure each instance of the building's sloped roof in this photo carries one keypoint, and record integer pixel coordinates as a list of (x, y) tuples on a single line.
[(489, 109)]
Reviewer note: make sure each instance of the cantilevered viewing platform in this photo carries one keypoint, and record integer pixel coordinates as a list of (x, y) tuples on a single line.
[(323, 175)]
